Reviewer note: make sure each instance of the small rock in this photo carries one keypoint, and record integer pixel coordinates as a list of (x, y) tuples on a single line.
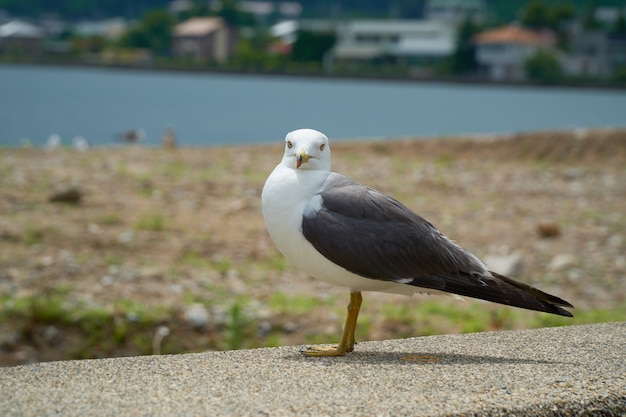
[(620, 263), (106, 280), (176, 289), (615, 241), (46, 261), (196, 316), (290, 327), (508, 265), (576, 275), (561, 262), (51, 335), (70, 195), (548, 229), (132, 316), (573, 173), (126, 237), (264, 328), (9, 341)]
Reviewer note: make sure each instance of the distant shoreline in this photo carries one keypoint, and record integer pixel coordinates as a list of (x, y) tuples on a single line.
[(318, 75)]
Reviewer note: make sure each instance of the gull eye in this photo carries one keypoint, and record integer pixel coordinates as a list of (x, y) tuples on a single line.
[(322, 146), (289, 144)]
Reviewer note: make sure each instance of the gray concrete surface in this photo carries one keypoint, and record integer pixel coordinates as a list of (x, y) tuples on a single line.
[(576, 370)]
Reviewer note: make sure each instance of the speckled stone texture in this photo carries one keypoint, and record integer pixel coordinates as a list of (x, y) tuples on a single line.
[(575, 370)]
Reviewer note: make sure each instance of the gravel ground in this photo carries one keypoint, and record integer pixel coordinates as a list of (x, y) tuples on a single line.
[(181, 232), (574, 370)]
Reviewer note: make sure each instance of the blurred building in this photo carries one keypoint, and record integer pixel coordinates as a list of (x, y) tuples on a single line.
[(594, 53), (112, 28), (415, 43), (455, 11), (263, 10), (502, 52), (204, 38), (21, 37)]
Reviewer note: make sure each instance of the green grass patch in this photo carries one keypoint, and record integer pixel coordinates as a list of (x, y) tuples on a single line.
[(32, 235), (92, 331), (444, 160), (176, 170), (222, 265), (110, 219), (274, 262), (194, 259), (151, 222), (240, 328), (281, 303)]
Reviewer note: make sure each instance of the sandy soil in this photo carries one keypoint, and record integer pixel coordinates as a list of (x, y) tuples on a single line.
[(181, 231)]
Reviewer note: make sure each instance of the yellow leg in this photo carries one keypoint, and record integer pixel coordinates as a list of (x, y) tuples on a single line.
[(347, 339)]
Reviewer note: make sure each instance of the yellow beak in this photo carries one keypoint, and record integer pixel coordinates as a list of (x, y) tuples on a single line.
[(301, 158)]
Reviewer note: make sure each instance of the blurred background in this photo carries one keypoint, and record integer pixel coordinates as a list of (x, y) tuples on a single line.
[(223, 68), (136, 136)]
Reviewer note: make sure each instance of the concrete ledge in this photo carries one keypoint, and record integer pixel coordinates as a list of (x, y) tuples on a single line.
[(576, 370)]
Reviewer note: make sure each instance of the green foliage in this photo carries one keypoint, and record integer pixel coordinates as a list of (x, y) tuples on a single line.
[(296, 304), (251, 54), (233, 16), (151, 221), (536, 15), (101, 332), (619, 26), (589, 18), (80, 8), (311, 46), (619, 75), (541, 15), (464, 57), (153, 32), (240, 329), (32, 235), (543, 67)]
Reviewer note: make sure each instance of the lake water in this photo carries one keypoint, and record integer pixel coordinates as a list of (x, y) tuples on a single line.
[(209, 109)]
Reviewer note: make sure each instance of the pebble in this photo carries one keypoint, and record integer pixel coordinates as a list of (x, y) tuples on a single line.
[(51, 335), (509, 265), (67, 195), (126, 237), (561, 262), (106, 280), (548, 229), (196, 316)]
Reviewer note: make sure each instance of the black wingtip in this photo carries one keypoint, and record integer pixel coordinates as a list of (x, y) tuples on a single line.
[(547, 303)]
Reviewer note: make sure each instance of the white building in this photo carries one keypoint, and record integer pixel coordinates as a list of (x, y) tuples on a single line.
[(413, 42), (502, 52), (20, 37)]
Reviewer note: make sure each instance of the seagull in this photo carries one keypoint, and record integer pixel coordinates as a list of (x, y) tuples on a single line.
[(348, 234)]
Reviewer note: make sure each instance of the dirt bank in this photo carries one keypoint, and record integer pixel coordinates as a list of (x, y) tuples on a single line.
[(160, 235)]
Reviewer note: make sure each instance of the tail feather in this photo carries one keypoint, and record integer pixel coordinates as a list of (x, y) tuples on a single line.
[(498, 289), (550, 303)]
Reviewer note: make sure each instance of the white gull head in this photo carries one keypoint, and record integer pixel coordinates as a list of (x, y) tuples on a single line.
[(307, 149)]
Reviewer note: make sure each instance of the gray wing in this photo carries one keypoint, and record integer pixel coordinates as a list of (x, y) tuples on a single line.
[(375, 236)]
